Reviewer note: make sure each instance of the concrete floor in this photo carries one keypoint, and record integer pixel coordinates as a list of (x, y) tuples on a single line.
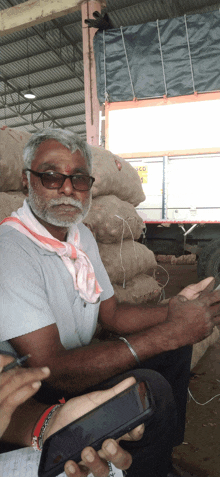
[(199, 455)]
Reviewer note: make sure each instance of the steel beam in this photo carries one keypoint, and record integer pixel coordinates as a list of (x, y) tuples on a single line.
[(34, 107)]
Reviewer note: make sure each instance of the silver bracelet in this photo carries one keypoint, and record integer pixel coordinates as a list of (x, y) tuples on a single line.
[(45, 424), (131, 349)]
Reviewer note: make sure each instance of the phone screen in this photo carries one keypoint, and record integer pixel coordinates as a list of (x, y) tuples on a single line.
[(111, 419)]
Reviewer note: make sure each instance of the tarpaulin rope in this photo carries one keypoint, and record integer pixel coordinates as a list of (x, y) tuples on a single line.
[(190, 57), (104, 51), (161, 55), (126, 56)]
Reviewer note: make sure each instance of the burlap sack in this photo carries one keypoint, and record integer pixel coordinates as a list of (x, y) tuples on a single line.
[(9, 203), (140, 289), (103, 219), (130, 260), (109, 179), (11, 159), (200, 348)]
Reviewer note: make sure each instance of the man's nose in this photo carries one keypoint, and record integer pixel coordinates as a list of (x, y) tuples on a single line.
[(67, 187)]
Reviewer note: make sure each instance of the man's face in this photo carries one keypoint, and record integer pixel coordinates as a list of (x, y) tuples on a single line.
[(60, 207)]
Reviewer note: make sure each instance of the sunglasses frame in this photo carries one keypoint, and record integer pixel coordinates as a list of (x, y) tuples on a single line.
[(40, 174)]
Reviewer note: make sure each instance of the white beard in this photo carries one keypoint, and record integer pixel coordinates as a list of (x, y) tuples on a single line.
[(43, 209)]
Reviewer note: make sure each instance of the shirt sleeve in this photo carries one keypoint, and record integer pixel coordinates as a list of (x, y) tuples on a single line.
[(23, 303)]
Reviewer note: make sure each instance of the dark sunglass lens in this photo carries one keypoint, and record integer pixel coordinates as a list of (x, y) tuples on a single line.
[(81, 182), (52, 180)]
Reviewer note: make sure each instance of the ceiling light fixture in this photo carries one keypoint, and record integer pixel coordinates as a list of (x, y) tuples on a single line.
[(29, 94)]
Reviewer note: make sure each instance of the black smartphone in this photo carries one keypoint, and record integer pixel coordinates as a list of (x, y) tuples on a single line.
[(111, 419)]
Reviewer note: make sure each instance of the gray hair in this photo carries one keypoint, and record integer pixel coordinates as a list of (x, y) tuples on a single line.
[(69, 139)]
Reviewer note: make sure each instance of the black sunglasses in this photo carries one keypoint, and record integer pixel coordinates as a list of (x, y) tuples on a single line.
[(55, 180)]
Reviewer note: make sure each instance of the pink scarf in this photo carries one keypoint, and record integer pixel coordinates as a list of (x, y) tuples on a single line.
[(76, 261)]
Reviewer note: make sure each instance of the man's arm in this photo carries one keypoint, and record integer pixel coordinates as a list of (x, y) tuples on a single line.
[(75, 370), (124, 318)]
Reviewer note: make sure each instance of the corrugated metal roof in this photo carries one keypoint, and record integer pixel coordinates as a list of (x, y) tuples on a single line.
[(52, 53)]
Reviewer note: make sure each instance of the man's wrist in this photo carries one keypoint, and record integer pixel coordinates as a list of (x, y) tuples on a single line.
[(48, 430), (42, 425)]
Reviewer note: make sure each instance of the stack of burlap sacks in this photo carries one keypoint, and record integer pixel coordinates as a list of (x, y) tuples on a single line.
[(117, 227), (11, 165), (112, 219)]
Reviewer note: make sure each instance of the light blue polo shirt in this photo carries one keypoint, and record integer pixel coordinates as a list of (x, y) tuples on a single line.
[(37, 290)]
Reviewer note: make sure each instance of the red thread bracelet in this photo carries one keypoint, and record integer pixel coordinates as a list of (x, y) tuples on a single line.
[(37, 429)]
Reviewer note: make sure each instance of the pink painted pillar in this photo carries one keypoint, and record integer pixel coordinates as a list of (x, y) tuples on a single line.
[(92, 105)]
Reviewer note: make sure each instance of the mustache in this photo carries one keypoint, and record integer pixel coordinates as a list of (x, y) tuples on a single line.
[(66, 201)]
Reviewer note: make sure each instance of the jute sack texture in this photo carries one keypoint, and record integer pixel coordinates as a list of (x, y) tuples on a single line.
[(115, 176), (112, 219), (140, 289), (11, 158), (126, 261), (9, 202), (117, 190), (200, 348)]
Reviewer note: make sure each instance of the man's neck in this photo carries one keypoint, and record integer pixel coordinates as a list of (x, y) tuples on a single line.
[(60, 233)]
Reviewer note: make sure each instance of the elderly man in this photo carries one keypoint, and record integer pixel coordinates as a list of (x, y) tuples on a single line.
[(55, 288)]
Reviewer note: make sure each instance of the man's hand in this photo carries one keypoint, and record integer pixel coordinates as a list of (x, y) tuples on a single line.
[(195, 318), (91, 460), (16, 386), (96, 462), (194, 291)]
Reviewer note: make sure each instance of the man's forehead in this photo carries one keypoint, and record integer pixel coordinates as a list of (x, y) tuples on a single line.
[(50, 146), (51, 151)]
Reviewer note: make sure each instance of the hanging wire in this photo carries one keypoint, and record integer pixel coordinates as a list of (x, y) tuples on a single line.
[(190, 58), (27, 59), (161, 55), (132, 87), (124, 281), (105, 77), (168, 276), (122, 237)]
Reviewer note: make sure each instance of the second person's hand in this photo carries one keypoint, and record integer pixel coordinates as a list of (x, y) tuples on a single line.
[(93, 461)]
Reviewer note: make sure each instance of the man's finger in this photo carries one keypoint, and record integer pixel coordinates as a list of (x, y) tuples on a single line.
[(210, 285), (191, 292), (112, 452), (204, 284), (74, 470), (99, 397), (215, 314), (137, 433), (16, 378), (134, 435), (209, 298), (4, 360), (94, 462)]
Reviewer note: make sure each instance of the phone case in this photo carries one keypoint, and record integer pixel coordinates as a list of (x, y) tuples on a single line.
[(112, 419)]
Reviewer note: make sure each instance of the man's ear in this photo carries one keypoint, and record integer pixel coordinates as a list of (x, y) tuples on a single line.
[(24, 183)]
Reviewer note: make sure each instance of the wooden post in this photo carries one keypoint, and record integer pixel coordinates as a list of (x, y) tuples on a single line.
[(92, 105)]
